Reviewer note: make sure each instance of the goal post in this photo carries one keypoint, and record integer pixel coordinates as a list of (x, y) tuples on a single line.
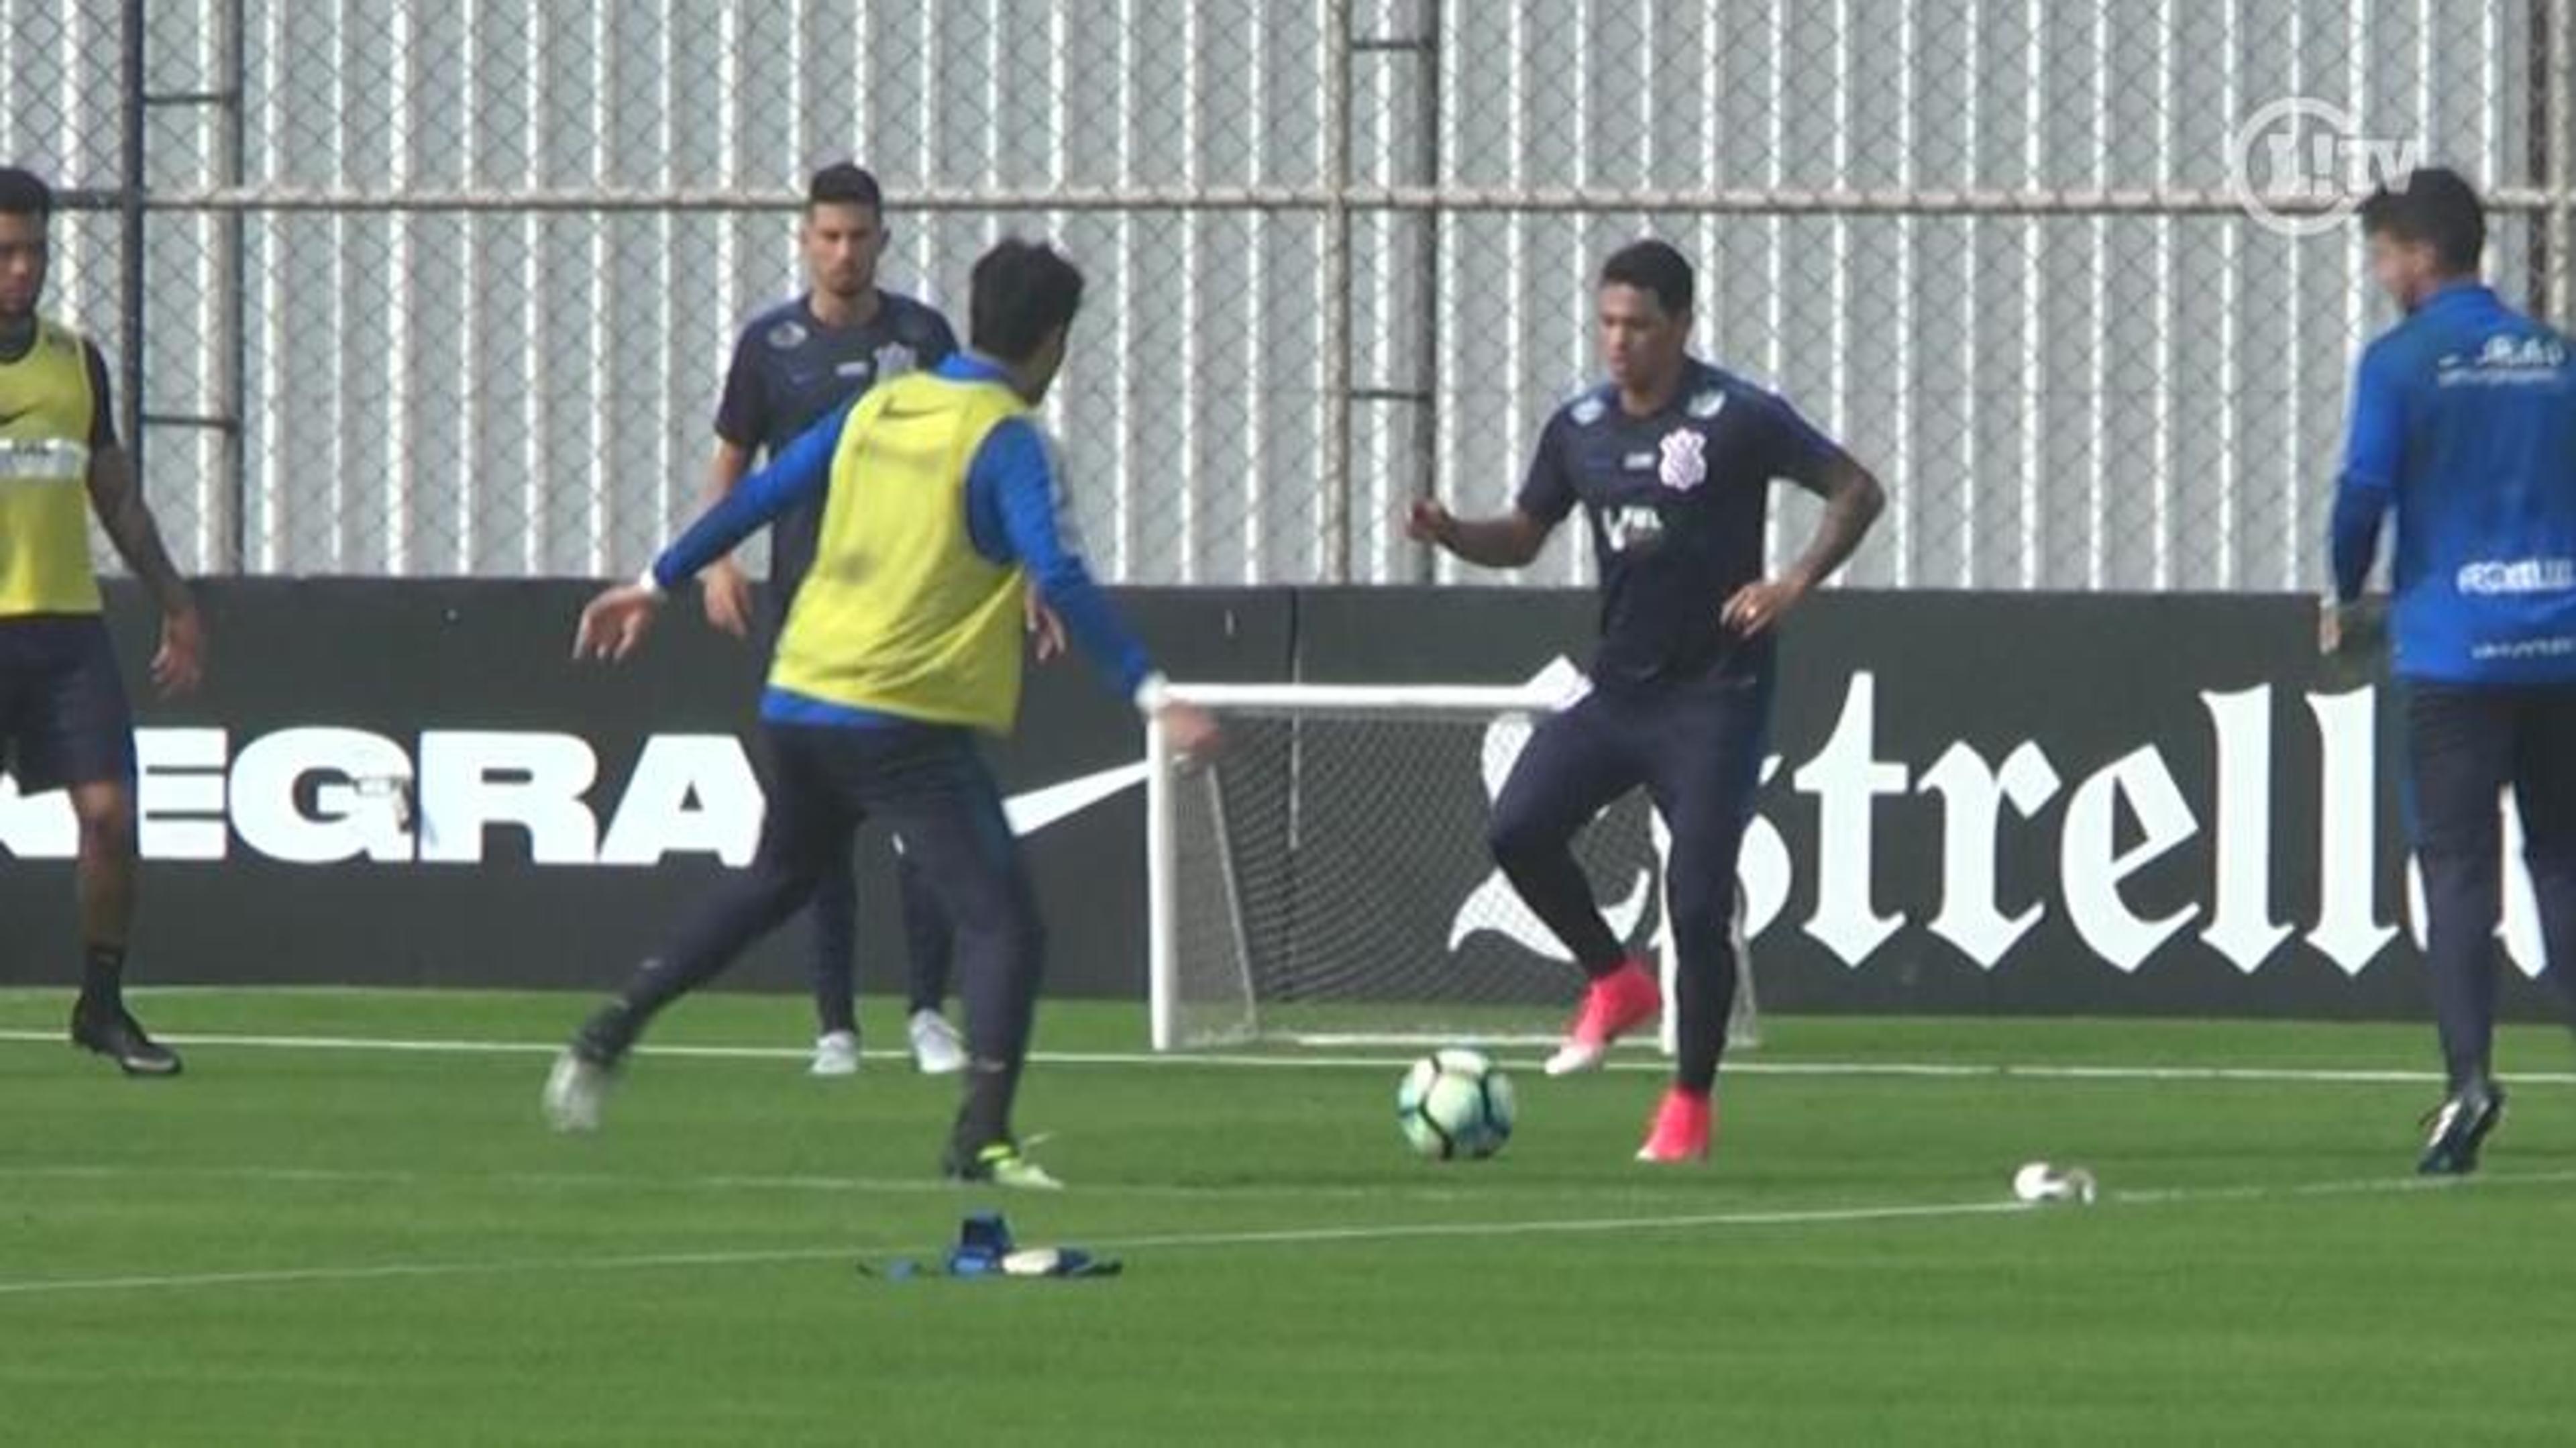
[(1325, 881)]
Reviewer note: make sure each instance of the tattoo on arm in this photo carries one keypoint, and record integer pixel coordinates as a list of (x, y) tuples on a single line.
[(117, 496), (1853, 501)]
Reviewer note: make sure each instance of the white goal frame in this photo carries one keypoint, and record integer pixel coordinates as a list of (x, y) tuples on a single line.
[(1478, 702)]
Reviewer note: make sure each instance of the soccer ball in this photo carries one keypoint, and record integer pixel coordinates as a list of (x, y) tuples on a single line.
[(1454, 1103)]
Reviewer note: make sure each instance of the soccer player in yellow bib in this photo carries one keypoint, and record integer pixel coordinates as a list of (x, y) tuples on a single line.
[(64, 723), (940, 506)]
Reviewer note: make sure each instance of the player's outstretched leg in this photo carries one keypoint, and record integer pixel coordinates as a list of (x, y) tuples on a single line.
[(1574, 766), (835, 918), (100, 1022), (805, 837), (2460, 742), (707, 945), (928, 939)]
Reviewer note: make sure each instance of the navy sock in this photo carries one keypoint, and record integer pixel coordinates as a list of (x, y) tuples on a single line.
[(835, 914), (2463, 896), (985, 1116)]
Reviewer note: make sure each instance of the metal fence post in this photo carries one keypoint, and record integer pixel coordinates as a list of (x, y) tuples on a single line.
[(1338, 524), (1426, 281), (129, 207), (230, 343), (2561, 225)]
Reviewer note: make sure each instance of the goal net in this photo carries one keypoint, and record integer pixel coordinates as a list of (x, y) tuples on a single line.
[(1326, 882)]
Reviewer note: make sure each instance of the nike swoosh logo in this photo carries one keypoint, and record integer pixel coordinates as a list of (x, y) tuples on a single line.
[(7, 418), (1041, 807)]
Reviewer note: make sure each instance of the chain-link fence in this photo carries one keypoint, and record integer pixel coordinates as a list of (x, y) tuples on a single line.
[(443, 288)]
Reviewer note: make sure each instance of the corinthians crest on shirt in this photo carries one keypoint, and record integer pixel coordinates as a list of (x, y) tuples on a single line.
[(1684, 464)]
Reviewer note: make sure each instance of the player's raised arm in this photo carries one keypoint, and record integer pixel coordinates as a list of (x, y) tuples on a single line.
[(1512, 539), (615, 623)]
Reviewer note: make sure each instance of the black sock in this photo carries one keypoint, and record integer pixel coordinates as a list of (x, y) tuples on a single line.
[(835, 923), (103, 974)]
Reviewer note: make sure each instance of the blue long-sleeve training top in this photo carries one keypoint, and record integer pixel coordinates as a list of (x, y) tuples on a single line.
[(1015, 514), (2464, 426)]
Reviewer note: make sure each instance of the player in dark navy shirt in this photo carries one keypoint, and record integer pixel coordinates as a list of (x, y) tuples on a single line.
[(793, 366), (1672, 463), (799, 361)]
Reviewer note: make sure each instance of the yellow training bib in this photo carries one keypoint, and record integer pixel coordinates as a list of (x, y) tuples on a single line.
[(47, 410), (900, 614)]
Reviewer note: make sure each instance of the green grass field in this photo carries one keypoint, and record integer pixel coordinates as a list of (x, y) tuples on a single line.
[(308, 1243)]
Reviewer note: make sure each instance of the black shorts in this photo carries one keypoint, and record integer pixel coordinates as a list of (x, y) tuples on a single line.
[(63, 715)]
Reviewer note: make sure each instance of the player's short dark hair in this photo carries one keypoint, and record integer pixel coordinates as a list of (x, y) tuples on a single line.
[(1651, 266), (2434, 207), (1023, 290), (24, 193), (844, 183)]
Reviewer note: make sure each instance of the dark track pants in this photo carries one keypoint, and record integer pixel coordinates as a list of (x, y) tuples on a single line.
[(1696, 749), (2464, 746), (931, 787)]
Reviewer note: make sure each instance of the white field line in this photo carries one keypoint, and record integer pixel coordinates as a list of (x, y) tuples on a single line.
[(1315, 1236), (748, 1182), (1641, 1062)]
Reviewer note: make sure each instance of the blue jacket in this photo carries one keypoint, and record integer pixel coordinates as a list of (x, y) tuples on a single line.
[(1015, 513), (2464, 424)]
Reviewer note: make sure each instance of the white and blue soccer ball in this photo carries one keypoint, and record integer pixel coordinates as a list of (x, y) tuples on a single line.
[(1455, 1103)]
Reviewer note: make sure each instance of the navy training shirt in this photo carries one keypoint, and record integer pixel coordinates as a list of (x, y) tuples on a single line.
[(2464, 422), (1677, 503), (790, 372)]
